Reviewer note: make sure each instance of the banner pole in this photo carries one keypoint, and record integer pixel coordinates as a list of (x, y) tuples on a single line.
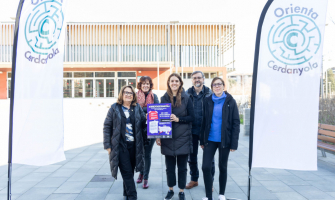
[(253, 94), (10, 138)]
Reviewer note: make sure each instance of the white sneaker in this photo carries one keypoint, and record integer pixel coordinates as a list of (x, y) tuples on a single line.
[(222, 197), (204, 198)]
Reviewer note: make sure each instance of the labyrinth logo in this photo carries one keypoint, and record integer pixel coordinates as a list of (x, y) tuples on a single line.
[(42, 30), (294, 39)]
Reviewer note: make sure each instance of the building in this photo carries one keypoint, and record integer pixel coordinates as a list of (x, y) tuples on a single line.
[(100, 58)]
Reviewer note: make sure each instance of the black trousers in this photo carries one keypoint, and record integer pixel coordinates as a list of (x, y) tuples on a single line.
[(147, 159), (127, 162), (170, 162), (193, 160), (209, 152)]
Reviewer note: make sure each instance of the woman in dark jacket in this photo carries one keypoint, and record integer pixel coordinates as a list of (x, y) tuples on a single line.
[(220, 130), (177, 148), (145, 96), (124, 136)]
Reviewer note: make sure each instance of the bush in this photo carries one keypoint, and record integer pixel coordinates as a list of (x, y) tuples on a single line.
[(241, 119), (327, 111)]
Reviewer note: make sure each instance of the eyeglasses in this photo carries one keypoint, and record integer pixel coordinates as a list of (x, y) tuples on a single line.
[(197, 78), (217, 84), (128, 93)]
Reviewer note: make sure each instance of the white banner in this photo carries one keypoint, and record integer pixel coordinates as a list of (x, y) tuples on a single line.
[(38, 131), (288, 84)]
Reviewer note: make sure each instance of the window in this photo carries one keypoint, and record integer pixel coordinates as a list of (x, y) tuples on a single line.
[(206, 75), (67, 74), (104, 74), (9, 82), (83, 74), (126, 74), (213, 75)]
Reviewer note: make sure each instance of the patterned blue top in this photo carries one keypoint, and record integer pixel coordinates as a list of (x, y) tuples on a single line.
[(129, 126)]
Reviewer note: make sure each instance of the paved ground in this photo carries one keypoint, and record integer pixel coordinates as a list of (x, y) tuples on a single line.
[(74, 179)]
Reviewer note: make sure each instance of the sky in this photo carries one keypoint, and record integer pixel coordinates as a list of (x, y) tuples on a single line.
[(243, 13)]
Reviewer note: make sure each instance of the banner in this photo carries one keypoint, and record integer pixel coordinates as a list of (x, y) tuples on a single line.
[(287, 85), (38, 134), (159, 122)]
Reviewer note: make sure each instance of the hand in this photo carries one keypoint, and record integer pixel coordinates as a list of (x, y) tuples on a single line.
[(158, 141), (146, 116), (232, 150), (109, 150), (174, 118), (202, 146)]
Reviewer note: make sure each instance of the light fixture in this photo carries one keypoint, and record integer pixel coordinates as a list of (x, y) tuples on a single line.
[(139, 72), (0, 72)]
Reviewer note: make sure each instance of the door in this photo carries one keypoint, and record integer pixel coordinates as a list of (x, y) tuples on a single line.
[(99, 88), (88, 88), (110, 88)]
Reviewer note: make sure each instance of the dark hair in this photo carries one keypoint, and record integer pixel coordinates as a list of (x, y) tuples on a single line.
[(120, 98), (142, 80), (216, 78), (198, 72), (169, 91)]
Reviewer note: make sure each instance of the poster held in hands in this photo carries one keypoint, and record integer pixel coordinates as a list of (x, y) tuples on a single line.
[(159, 123)]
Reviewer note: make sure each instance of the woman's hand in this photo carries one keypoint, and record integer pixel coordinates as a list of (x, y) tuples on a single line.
[(109, 150), (202, 146), (158, 141), (232, 150), (146, 116), (174, 118)]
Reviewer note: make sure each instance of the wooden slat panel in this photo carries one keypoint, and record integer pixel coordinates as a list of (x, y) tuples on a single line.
[(328, 127), (326, 146), (325, 132), (325, 138)]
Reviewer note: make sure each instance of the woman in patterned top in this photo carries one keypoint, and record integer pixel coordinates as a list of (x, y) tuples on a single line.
[(124, 138)]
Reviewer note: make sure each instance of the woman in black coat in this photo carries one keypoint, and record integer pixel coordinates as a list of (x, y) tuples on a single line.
[(177, 148), (220, 130), (124, 137)]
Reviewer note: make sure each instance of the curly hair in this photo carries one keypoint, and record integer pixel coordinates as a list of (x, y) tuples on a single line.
[(142, 80)]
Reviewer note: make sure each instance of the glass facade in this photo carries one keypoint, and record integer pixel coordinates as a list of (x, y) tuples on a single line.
[(96, 84)]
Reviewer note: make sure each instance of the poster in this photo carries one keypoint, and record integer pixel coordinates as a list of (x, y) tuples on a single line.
[(159, 123)]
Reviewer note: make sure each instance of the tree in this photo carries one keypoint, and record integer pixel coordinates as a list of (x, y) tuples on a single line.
[(331, 79)]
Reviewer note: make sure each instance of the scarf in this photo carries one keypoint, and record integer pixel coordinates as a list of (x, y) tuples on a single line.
[(144, 101)]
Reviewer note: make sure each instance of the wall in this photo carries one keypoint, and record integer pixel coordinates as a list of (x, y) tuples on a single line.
[(3, 83)]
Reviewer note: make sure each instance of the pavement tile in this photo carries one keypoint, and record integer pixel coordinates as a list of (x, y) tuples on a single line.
[(324, 185), (48, 168), (62, 197), (81, 177), (311, 192), (259, 192), (63, 172), (289, 195), (37, 194), (276, 186), (71, 187), (93, 194), (292, 180), (99, 185), (73, 165), (51, 182)]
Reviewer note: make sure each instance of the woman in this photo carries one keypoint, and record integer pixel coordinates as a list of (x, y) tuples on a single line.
[(145, 96), (177, 148), (220, 130), (124, 136)]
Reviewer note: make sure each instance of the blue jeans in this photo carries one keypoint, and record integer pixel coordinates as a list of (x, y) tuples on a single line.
[(193, 160), (147, 159)]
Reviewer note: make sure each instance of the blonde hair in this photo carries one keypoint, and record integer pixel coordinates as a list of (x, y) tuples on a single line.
[(120, 97)]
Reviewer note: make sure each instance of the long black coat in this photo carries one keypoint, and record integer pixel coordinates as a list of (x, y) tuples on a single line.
[(113, 133), (181, 141), (230, 128)]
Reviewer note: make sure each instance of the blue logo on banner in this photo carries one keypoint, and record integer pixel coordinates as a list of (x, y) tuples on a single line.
[(43, 26), (294, 39)]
